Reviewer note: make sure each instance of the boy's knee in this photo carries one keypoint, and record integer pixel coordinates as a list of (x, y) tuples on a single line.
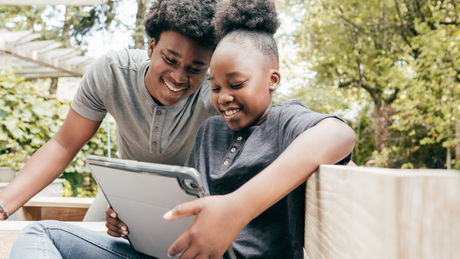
[(37, 227)]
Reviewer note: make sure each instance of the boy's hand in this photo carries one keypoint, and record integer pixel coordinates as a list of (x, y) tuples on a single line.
[(115, 227), (217, 224)]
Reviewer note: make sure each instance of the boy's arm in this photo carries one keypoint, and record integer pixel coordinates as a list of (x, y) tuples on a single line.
[(219, 219), (49, 161)]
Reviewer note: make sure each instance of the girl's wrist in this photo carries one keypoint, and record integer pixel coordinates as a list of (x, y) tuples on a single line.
[(242, 206)]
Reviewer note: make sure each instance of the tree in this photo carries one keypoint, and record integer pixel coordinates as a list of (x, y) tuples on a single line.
[(76, 23), (433, 99), (382, 47)]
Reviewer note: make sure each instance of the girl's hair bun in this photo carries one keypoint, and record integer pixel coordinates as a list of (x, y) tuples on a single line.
[(249, 15)]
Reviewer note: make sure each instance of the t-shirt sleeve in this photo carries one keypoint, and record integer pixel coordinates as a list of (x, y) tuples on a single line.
[(296, 119), (89, 99)]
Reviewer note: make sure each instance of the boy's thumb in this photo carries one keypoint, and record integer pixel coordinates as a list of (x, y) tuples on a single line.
[(184, 210)]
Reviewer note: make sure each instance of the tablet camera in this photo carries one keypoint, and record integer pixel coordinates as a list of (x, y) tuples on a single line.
[(190, 184)]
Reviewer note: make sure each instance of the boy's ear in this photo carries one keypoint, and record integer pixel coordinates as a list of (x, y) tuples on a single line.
[(275, 79), (151, 47)]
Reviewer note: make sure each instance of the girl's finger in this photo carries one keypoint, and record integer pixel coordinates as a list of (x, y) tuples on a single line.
[(179, 245)]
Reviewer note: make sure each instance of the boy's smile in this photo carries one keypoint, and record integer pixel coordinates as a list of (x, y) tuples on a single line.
[(178, 66), (240, 82)]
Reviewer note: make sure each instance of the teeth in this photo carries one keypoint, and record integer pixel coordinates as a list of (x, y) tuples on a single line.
[(172, 88), (231, 112)]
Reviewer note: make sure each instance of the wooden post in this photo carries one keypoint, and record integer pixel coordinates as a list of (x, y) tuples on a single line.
[(358, 212)]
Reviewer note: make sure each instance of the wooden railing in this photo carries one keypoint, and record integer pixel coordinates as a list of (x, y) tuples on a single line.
[(359, 212), (351, 213)]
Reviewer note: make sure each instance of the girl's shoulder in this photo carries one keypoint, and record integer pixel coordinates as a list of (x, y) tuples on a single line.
[(291, 107)]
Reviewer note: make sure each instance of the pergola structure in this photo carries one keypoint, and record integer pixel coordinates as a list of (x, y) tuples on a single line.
[(41, 58), (51, 2)]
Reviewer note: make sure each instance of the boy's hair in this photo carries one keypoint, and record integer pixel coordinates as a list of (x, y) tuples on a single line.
[(255, 21), (191, 18)]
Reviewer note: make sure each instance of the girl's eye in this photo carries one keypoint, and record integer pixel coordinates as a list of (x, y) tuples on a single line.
[(215, 89), (237, 85)]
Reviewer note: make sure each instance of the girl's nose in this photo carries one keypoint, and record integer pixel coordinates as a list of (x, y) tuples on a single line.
[(225, 98)]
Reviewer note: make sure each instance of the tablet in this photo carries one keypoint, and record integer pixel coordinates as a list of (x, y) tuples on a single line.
[(141, 193)]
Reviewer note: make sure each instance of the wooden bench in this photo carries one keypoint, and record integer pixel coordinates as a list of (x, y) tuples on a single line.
[(10, 229), (59, 208)]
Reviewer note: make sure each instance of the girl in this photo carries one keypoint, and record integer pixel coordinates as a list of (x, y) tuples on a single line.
[(257, 156)]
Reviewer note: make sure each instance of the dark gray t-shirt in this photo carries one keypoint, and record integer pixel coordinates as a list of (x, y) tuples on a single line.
[(146, 131), (228, 159)]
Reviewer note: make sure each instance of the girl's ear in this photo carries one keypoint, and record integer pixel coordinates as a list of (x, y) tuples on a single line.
[(151, 46), (275, 79)]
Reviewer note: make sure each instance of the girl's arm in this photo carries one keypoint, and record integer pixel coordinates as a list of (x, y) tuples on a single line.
[(219, 219)]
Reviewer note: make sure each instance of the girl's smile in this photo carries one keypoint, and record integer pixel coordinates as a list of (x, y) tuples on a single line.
[(241, 83)]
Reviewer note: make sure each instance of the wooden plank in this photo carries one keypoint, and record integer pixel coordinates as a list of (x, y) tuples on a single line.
[(10, 229), (68, 202), (57, 208), (51, 213), (376, 213)]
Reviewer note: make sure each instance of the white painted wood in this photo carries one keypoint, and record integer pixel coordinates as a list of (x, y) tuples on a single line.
[(355, 213), (52, 2), (39, 59)]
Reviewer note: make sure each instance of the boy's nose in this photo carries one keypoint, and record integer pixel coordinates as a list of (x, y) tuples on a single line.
[(179, 76)]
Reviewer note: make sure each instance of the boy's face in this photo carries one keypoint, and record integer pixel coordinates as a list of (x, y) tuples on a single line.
[(242, 85), (178, 66)]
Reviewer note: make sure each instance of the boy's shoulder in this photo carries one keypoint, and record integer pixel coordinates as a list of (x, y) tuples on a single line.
[(130, 59)]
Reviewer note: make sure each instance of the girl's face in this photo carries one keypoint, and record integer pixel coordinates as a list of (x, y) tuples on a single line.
[(242, 85), (178, 66)]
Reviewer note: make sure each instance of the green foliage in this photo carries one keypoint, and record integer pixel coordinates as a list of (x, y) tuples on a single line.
[(29, 120), (14, 159), (403, 54)]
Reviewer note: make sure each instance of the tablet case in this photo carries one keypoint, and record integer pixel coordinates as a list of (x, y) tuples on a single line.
[(141, 193)]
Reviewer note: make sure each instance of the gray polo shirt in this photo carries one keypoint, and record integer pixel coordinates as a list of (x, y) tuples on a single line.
[(146, 131)]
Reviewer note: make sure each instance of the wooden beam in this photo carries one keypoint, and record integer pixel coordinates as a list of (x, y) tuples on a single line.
[(354, 212), (44, 64), (57, 208)]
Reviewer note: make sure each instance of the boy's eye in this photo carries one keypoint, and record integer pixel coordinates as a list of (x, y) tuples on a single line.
[(169, 61), (215, 89), (196, 70)]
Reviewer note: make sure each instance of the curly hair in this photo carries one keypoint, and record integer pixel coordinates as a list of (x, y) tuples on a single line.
[(255, 21), (192, 18)]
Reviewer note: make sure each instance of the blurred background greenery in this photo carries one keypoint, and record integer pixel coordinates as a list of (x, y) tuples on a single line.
[(391, 68)]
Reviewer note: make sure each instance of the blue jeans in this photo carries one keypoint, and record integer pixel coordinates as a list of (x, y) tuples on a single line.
[(54, 239)]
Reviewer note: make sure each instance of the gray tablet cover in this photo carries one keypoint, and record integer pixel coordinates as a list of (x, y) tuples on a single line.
[(141, 199)]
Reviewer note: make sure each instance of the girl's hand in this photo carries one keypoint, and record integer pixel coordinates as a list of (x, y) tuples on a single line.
[(115, 227), (218, 222)]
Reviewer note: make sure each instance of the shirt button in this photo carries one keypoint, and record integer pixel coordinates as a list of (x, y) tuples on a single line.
[(226, 162), (154, 143), (158, 112), (233, 150), (239, 138), (155, 129)]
